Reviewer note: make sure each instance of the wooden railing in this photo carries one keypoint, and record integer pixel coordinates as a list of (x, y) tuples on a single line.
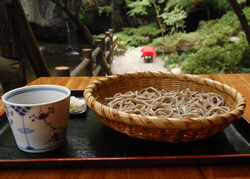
[(95, 62)]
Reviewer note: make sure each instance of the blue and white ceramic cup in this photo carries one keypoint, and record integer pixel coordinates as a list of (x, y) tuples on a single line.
[(38, 116)]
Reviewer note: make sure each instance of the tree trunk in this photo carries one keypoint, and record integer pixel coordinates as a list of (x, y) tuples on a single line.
[(160, 26), (158, 20), (242, 18)]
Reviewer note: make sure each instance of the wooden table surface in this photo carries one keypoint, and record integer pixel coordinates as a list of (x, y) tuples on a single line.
[(241, 82)]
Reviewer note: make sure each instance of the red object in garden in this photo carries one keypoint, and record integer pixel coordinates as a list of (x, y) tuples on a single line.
[(148, 53)]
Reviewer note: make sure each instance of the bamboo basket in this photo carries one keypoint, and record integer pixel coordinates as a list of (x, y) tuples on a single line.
[(161, 128)]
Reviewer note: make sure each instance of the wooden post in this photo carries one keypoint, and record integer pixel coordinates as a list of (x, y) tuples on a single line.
[(81, 68), (106, 65), (111, 46), (62, 71), (99, 57), (103, 43), (108, 46), (87, 53)]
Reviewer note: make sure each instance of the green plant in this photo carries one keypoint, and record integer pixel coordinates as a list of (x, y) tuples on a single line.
[(139, 40), (218, 59), (125, 36), (237, 57), (172, 3), (181, 58), (82, 13), (218, 32), (205, 61), (105, 9), (178, 59), (150, 30), (138, 7), (216, 53), (142, 35), (169, 44), (174, 20)]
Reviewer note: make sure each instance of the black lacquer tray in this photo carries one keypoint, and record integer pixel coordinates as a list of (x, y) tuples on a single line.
[(92, 144)]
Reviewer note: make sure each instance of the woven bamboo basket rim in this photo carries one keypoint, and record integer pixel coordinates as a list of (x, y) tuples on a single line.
[(164, 122)]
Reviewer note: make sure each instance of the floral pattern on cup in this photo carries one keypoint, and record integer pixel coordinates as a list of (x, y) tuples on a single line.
[(40, 116)]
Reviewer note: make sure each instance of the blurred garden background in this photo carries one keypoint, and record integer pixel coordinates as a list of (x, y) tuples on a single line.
[(197, 36)]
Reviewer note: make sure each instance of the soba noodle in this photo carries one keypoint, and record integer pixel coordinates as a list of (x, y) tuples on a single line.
[(162, 103)]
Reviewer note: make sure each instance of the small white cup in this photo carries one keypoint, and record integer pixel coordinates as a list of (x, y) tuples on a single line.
[(38, 116)]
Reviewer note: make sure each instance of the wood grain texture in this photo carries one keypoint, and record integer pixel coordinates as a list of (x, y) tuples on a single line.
[(215, 172), (241, 82)]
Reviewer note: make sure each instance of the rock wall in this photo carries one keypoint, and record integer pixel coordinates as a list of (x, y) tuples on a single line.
[(48, 21)]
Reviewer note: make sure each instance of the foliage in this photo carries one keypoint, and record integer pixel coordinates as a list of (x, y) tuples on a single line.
[(208, 61), (178, 58), (99, 36), (120, 2), (217, 59), (105, 9), (126, 35), (87, 2), (82, 14), (197, 5), (241, 1), (150, 30), (142, 35), (216, 53), (217, 32), (138, 7), (218, 5), (238, 56), (122, 45), (139, 40), (172, 3), (169, 44), (184, 56), (174, 19)]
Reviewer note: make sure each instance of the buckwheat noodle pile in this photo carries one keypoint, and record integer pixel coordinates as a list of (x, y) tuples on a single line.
[(163, 103)]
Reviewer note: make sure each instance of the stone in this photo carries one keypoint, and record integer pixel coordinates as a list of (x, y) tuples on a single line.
[(176, 70), (234, 39)]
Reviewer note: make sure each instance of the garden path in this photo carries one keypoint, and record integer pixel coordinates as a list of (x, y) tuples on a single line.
[(132, 61)]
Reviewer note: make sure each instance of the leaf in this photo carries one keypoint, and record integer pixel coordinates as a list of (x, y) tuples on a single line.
[(106, 9), (139, 7), (25, 130)]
